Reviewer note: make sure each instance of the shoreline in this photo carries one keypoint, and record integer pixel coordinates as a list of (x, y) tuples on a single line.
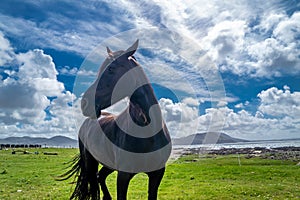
[(291, 153)]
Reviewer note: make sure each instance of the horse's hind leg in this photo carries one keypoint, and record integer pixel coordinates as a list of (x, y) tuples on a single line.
[(155, 178), (122, 184), (87, 185), (102, 175), (91, 174)]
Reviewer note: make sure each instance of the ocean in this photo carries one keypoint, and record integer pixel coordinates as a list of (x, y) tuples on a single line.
[(252, 144)]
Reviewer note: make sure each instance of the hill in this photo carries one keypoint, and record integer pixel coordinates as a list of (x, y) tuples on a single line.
[(56, 141), (62, 141), (206, 138)]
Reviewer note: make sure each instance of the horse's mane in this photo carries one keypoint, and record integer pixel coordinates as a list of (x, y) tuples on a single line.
[(104, 113), (137, 113)]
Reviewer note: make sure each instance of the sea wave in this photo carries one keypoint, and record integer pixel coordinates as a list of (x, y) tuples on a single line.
[(251, 144)]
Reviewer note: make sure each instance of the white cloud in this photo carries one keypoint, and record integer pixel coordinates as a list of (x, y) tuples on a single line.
[(5, 50), (29, 85), (232, 33), (181, 118), (270, 21), (24, 97), (244, 125), (84, 32), (48, 87), (274, 58), (225, 39), (73, 71), (240, 105), (67, 70), (268, 122), (266, 50), (277, 116), (190, 101), (83, 72), (64, 115), (251, 38), (165, 74), (35, 64), (288, 29), (224, 30), (280, 103)]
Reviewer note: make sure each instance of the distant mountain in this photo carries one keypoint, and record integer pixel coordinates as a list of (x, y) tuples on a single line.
[(62, 141), (57, 141), (206, 138)]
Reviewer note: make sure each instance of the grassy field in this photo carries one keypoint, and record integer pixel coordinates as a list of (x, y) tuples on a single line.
[(30, 176)]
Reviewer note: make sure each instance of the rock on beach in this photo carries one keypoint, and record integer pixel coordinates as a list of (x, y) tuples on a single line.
[(278, 153)]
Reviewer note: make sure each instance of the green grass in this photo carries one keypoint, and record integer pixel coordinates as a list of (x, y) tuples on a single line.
[(31, 176)]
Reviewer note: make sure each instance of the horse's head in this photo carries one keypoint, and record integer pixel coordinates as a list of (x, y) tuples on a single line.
[(101, 94)]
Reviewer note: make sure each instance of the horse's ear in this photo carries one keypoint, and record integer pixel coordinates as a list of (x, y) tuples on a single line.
[(110, 53), (131, 50)]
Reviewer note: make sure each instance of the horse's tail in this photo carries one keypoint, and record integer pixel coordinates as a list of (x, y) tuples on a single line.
[(86, 185), (75, 169)]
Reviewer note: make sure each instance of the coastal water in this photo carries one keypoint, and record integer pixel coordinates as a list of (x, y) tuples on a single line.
[(262, 144)]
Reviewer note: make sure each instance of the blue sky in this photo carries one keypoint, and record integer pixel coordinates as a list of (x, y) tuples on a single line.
[(228, 66)]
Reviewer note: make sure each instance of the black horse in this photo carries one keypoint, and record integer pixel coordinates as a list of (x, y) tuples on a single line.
[(136, 140)]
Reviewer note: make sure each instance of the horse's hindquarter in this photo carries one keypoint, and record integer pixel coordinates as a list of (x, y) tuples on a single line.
[(93, 134), (95, 141)]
